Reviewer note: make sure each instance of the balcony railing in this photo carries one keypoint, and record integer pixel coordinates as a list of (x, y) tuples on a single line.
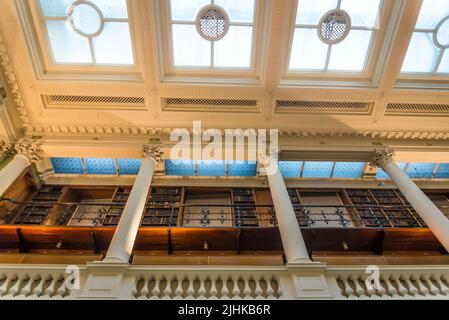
[(98, 214)]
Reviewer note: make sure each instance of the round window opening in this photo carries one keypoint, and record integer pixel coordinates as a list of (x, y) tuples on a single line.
[(86, 18), (441, 35), (212, 22), (334, 26)]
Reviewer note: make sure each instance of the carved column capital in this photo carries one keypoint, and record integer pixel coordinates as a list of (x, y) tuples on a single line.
[(382, 157), (266, 158), (30, 149), (6, 149), (153, 151)]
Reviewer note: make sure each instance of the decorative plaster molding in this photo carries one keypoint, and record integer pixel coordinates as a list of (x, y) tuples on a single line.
[(6, 149), (118, 130), (31, 149), (152, 151), (14, 87), (382, 157)]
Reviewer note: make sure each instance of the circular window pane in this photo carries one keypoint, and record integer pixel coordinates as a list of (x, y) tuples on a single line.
[(86, 18), (212, 22), (334, 26), (442, 34)]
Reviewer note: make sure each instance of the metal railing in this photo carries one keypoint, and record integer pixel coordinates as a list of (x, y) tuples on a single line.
[(98, 214)]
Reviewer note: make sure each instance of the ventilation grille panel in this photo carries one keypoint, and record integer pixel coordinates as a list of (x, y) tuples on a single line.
[(216, 105), (417, 108), (68, 101), (300, 106)]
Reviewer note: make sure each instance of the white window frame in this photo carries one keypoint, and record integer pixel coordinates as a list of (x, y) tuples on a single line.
[(373, 70), (171, 73), (47, 68)]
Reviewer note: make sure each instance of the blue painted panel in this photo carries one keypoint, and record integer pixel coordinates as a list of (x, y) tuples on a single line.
[(317, 169), (211, 168), (129, 166), (420, 170), (242, 168), (442, 171), (100, 166), (67, 165), (351, 170), (179, 168), (290, 169), (383, 175)]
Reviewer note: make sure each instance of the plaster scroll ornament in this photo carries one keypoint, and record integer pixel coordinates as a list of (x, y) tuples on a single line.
[(152, 151), (382, 157), (31, 149)]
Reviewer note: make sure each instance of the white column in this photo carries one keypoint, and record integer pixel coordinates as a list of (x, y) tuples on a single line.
[(294, 247), (12, 171), (126, 232), (427, 210), (27, 152)]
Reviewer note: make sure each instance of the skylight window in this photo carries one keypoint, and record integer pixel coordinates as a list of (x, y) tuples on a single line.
[(427, 51), (310, 53), (88, 32), (190, 49)]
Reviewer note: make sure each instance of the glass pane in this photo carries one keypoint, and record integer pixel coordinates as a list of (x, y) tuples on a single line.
[(86, 19), (234, 50), (308, 51), (444, 64), (317, 169), (352, 170), (421, 55), (186, 10), (311, 11), (238, 10), (443, 171), (189, 49), (179, 168), (383, 175), (211, 168), (129, 166), (363, 13), (67, 45), (432, 12), (351, 54), (67, 165), (100, 166), (113, 45), (242, 168), (290, 169), (55, 8), (112, 9), (420, 170)]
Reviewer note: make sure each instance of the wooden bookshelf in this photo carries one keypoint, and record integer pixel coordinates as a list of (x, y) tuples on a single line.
[(369, 216), (115, 210), (244, 201), (162, 208), (36, 214)]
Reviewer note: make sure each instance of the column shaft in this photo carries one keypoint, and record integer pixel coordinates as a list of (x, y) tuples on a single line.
[(12, 171), (125, 235), (427, 210), (292, 240)]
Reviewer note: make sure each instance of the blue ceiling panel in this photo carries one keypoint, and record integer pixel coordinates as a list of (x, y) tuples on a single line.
[(129, 166), (211, 168), (242, 168), (290, 169), (100, 166), (317, 169), (179, 168), (442, 171), (350, 170), (420, 170), (67, 165)]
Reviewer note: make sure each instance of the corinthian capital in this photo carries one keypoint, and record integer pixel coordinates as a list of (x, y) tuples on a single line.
[(152, 151), (31, 149), (6, 149), (382, 157)]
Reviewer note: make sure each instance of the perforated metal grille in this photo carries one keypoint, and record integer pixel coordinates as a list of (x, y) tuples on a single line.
[(334, 26), (212, 22), (297, 106), (93, 100), (421, 108), (186, 104)]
